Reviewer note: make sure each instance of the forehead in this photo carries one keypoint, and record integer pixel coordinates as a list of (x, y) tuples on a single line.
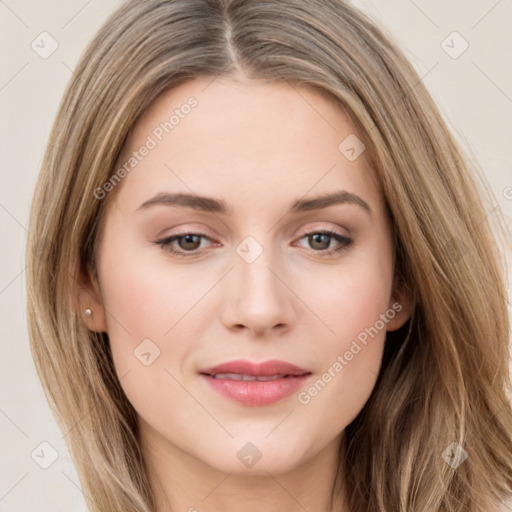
[(250, 140)]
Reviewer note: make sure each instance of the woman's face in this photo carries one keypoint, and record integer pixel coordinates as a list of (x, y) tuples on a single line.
[(254, 281)]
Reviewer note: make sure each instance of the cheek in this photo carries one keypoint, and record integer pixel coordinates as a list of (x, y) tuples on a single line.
[(148, 297), (142, 309), (147, 311), (354, 308), (155, 319), (349, 297), (353, 347), (363, 313)]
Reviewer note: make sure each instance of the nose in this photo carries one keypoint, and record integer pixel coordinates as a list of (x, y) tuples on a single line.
[(259, 298)]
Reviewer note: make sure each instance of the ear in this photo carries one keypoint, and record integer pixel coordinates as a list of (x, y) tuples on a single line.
[(401, 301), (89, 297)]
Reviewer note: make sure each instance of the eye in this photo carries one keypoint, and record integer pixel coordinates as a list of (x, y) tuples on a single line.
[(189, 242), (321, 239)]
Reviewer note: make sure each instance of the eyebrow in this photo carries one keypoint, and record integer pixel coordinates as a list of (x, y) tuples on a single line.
[(210, 204)]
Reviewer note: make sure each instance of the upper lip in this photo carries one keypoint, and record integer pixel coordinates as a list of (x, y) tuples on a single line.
[(263, 369)]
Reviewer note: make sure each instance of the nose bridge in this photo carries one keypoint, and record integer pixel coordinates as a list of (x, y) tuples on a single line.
[(259, 298), (257, 267)]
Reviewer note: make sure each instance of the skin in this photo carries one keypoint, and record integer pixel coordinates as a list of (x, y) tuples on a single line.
[(258, 146)]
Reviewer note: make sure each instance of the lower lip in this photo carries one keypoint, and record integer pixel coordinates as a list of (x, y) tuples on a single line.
[(254, 392)]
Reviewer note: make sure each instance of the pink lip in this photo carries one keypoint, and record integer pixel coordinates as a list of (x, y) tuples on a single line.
[(256, 392)]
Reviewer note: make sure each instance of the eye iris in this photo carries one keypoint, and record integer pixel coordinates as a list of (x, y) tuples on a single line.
[(315, 240), (196, 241)]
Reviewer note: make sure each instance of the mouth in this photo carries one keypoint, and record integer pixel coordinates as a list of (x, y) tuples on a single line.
[(254, 384), (237, 376)]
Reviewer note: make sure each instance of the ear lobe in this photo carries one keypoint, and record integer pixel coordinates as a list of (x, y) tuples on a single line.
[(89, 298), (401, 302)]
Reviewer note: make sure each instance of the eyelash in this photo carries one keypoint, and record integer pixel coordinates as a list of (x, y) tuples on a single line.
[(345, 242)]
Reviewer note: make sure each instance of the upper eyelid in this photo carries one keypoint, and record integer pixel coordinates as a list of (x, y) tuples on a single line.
[(205, 235), (319, 226)]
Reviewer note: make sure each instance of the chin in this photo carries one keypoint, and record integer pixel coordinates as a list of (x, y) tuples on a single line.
[(257, 457)]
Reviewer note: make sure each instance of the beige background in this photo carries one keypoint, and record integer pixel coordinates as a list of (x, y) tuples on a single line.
[(474, 92)]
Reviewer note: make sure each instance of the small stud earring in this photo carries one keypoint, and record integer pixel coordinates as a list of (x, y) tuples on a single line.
[(88, 312)]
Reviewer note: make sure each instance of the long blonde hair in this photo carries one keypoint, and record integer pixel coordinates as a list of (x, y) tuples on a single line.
[(444, 379)]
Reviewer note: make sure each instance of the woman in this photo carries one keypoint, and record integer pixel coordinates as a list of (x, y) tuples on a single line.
[(336, 335)]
